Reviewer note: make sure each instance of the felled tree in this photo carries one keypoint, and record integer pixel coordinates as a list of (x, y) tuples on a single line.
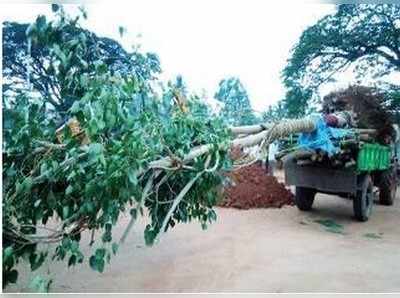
[(366, 37), (55, 188), (237, 109)]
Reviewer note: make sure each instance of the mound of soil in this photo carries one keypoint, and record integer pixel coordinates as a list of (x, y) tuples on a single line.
[(253, 188)]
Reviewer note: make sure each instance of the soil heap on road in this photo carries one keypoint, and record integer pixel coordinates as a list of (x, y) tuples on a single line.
[(252, 187)]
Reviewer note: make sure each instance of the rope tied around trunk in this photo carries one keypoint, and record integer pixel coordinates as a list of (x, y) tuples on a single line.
[(288, 127)]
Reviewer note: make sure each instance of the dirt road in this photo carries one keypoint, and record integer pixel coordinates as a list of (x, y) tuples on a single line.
[(269, 250)]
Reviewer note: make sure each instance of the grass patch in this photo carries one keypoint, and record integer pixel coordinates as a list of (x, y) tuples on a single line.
[(372, 236), (330, 226)]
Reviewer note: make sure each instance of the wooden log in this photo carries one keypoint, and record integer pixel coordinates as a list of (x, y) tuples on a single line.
[(280, 130), (252, 129), (350, 163), (314, 157), (365, 131), (366, 137), (298, 154), (282, 153), (321, 156), (249, 129)]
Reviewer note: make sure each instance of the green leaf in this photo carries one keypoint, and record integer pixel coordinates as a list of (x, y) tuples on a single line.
[(30, 30), (18, 187), (149, 235), (60, 54), (203, 226), (66, 243), (93, 263), (8, 252), (12, 276), (27, 184), (114, 248), (108, 227), (212, 215), (93, 126), (37, 260), (43, 168), (74, 246), (95, 148), (72, 260), (100, 265), (54, 165), (102, 159), (89, 207), (100, 253), (40, 284), (41, 23), (101, 124), (51, 200), (107, 237), (97, 263), (65, 212), (132, 176), (37, 203), (101, 68), (76, 107), (69, 190)]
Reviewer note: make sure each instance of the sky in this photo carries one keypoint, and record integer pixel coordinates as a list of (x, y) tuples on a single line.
[(204, 41)]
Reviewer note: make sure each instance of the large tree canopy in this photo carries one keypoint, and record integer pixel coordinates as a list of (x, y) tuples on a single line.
[(366, 37), (30, 61)]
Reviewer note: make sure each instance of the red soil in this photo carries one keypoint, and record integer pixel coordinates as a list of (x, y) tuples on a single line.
[(254, 188)]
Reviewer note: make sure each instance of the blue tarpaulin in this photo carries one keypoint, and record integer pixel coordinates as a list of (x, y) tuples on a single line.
[(323, 136)]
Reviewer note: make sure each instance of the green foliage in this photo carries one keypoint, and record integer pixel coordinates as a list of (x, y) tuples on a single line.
[(97, 260), (237, 109), (364, 36), (391, 94), (274, 113), (31, 53), (53, 192), (40, 284), (177, 86)]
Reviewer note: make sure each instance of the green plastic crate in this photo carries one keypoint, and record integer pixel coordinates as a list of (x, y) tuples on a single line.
[(373, 157)]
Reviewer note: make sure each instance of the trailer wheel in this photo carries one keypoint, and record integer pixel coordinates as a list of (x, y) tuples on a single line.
[(387, 188), (363, 201), (304, 198)]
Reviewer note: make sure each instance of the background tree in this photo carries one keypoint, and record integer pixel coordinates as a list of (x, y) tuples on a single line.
[(274, 113), (364, 37), (29, 62), (237, 109)]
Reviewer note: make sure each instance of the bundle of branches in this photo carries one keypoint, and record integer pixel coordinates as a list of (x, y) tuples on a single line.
[(345, 156), (369, 107)]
